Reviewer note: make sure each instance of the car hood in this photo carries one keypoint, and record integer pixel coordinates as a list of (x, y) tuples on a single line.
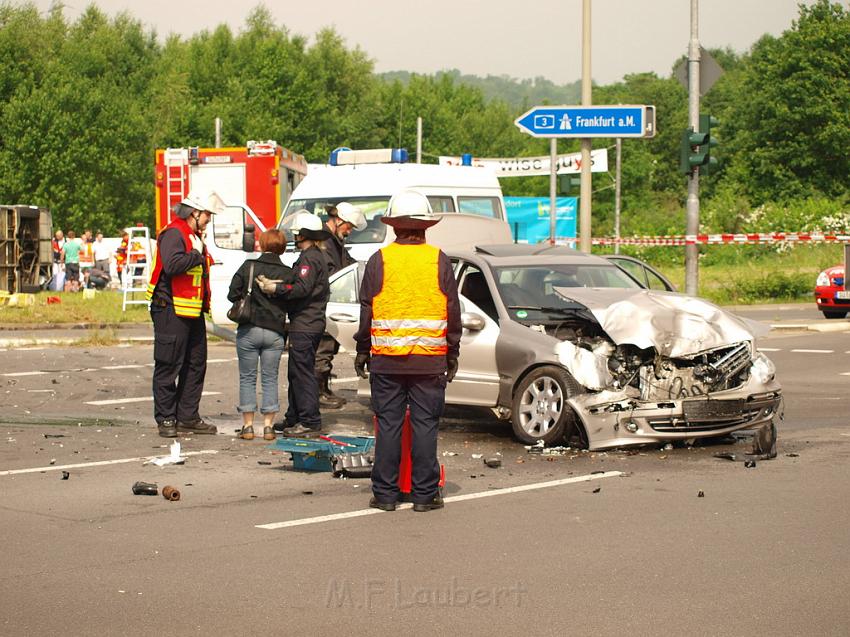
[(676, 325)]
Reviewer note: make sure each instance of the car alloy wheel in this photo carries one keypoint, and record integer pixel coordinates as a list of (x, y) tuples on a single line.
[(540, 410)]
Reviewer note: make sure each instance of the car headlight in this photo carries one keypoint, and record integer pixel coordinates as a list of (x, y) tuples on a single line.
[(762, 369), (823, 279)]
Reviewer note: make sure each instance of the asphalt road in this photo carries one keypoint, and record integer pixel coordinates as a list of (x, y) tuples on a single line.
[(632, 550)]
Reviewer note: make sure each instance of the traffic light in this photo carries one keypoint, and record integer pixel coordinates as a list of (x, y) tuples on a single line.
[(695, 147), (567, 182)]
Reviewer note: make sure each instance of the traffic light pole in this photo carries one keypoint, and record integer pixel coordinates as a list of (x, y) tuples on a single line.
[(586, 143), (692, 214)]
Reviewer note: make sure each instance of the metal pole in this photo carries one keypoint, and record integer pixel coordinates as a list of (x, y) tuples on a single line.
[(418, 140), (218, 132), (692, 212), (586, 184), (553, 178), (617, 175)]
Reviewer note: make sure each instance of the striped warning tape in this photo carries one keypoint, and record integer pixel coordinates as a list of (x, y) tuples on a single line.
[(728, 239)]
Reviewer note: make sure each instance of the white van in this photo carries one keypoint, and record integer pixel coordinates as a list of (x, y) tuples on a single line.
[(468, 199)]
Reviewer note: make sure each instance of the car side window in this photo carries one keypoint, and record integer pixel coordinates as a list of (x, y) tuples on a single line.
[(635, 269), (655, 281), (473, 285), (344, 289)]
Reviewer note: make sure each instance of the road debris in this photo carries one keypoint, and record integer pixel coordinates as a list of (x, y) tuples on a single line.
[(264, 461), (493, 463), (173, 458), (597, 489), (750, 464), (145, 488), (701, 494), (65, 475), (170, 493), (54, 435), (449, 453), (477, 456), (792, 455), (726, 455)]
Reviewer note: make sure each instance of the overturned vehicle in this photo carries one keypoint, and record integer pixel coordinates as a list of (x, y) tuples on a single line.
[(569, 347)]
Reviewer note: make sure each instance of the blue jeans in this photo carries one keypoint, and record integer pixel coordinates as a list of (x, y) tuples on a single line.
[(257, 344)]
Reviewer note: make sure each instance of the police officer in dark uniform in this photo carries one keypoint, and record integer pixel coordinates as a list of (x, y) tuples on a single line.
[(308, 297), (409, 337), (343, 219), (179, 295)]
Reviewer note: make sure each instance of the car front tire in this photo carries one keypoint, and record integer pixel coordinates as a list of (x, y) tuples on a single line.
[(539, 410), (832, 314)]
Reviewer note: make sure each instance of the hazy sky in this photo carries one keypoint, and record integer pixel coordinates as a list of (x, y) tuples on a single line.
[(520, 39)]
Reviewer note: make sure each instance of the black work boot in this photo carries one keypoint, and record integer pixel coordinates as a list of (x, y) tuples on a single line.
[(197, 426), (327, 398), (167, 428)]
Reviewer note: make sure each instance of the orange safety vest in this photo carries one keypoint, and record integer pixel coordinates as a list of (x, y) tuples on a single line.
[(190, 291), (410, 313)]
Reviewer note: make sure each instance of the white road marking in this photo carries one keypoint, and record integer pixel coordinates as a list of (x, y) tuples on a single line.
[(769, 349), (345, 380), (122, 366), (100, 463), (844, 374), (25, 373), (454, 498), (813, 351), (140, 399)]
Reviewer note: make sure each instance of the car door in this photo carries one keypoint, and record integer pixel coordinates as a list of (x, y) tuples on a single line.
[(343, 310)]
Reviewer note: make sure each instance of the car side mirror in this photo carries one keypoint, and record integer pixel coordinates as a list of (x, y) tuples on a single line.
[(248, 240), (472, 321)]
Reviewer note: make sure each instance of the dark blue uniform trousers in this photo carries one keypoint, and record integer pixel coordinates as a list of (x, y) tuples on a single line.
[(391, 396), (303, 391)]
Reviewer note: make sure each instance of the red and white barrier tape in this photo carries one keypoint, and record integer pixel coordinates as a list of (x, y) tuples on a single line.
[(726, 239)]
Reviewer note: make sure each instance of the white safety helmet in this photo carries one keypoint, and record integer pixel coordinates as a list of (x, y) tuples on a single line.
[(205, 200), (410, 209), (304, 224), (351, 214)]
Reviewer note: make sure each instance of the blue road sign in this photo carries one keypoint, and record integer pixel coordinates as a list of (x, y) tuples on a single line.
[(588, 121)]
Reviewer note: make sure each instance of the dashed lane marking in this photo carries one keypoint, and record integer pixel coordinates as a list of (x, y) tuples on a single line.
[(346, 380), (140, 399), (101, 463), (769, 349), (25, 373), (813, 351), (455, 498)]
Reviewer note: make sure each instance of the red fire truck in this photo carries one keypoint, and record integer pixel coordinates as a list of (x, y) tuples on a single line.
[(259, 177)]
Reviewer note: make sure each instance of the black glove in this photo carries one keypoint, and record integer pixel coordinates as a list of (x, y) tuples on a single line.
[(361, 362), (451, 368)]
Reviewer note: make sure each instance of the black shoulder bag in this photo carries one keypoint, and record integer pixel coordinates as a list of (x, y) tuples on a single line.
[(242, 310)]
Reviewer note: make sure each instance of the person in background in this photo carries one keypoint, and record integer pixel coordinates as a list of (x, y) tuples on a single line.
[(101, 253), (409, 338), (308, 297), (98, 278), (58, 272), (342, 220), (179, 296), (71, 259), (86, 256), (264, 337), (121, 256)]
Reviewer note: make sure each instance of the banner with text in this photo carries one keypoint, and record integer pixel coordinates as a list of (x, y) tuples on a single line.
[(530, 166), (529, 218)]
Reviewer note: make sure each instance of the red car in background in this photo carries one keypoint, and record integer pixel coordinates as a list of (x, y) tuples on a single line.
[(833, 300)]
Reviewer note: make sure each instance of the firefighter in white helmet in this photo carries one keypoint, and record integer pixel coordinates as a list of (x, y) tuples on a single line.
[(409, 339), (179, 296), (308, 297), (343, 219)]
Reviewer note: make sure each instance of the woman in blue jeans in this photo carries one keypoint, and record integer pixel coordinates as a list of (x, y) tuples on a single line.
[(262, 340)]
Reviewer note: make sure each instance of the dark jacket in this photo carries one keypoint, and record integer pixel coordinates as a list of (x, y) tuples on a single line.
[(373, 281), (336, 254), (175, 260), (308, 293), (268, 312)]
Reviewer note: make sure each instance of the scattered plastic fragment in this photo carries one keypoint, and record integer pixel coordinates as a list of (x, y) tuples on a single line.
[(264, 461), (668, 446), (307, 493), (701, 494), (726, 455), (54, 435), (145, 488), (449, 453), (477, 456), (597, 489), (170, 493), (173, 458), (792, 455), (750, 464), (493, 463), (65, 475)]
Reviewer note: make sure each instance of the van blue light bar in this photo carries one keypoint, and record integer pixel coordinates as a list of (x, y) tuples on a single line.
[(347, 157)]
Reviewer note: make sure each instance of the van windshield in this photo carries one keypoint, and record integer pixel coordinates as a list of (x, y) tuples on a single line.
[(372, 207)]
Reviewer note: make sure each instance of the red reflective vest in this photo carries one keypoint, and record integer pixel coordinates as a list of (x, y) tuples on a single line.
[(190, 291), (410, 313)]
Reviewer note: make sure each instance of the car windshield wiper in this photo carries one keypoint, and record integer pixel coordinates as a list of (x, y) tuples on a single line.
[(551, 309)]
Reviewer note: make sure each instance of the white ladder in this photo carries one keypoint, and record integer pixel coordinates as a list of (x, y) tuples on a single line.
[(138, 267), (176, 162)]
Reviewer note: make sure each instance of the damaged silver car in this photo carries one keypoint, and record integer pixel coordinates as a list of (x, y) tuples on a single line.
[(569, 347)]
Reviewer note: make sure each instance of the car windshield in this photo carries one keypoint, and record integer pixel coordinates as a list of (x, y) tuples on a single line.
[(372, 207), (532, 287)]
